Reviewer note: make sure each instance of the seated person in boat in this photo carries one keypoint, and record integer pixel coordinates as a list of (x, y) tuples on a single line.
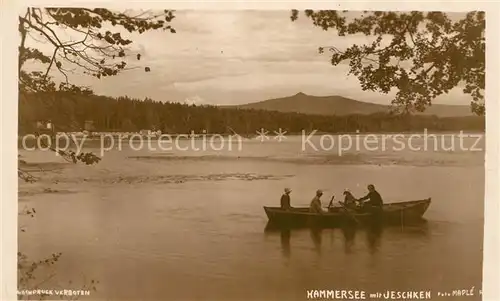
[(349, 200), (315, 206), (285, 199), (375, 200)]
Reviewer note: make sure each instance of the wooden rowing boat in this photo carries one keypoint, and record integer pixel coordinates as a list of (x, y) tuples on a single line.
[(400, 212)]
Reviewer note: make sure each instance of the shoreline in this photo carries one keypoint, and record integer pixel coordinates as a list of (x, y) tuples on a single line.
[(128, 136)]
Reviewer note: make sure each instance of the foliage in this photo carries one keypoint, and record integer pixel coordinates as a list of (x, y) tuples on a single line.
[(127, 114), (90, 48), (96, 51), (428, 53), (71, 156), (32, 275), (25, 176)]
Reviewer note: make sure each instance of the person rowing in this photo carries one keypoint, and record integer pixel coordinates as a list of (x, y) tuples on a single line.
[(315, 206), (349, 203), (349, 200), (285, 199), (375, 202)]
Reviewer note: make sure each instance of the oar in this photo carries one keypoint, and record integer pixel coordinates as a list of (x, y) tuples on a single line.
[(349, 213), (331, 202)]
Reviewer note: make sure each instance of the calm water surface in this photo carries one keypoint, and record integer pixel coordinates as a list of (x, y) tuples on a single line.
[(175, 225)]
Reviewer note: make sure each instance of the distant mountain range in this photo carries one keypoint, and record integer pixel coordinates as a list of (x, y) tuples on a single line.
[(338, 105)]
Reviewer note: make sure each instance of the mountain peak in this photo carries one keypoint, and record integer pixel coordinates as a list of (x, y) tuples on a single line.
[(338, 106)]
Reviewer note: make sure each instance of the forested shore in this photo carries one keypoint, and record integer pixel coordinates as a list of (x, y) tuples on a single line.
[(69, 112)]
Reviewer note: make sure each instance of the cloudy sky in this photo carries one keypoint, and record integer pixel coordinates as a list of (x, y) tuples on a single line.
[(232, 57)]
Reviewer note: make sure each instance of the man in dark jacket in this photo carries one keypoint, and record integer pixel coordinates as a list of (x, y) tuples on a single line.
[(285, 199), (375, 200)]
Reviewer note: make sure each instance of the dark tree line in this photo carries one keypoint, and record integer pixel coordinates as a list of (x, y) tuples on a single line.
[(69, 111), (84, 47)]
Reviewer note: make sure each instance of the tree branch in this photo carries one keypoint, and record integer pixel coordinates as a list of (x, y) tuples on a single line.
[(39, 21), (23, 32), (43, 33), (26, 176), (51, 62)]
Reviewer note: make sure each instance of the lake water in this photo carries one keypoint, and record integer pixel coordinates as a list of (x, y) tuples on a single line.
[(189, 225)]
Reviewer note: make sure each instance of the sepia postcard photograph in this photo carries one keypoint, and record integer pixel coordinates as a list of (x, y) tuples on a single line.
[(224, 152)]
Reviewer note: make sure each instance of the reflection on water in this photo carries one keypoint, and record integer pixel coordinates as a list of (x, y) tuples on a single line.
[(316, 236), (192, 229), (372, 235), (349, 236), (285, 242)]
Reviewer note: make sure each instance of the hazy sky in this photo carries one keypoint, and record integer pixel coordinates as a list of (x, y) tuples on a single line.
[(230, 57)]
